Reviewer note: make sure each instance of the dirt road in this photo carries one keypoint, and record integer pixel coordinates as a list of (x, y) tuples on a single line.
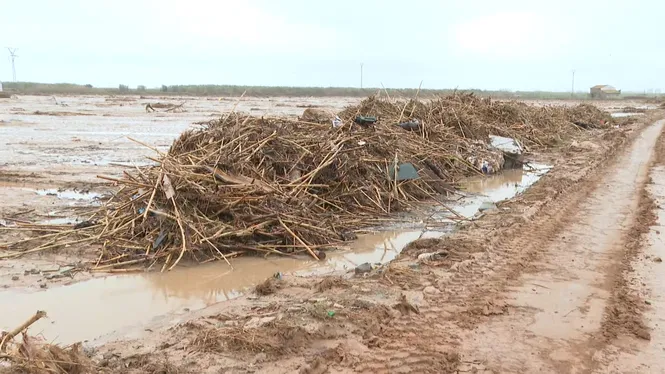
[(572, 300)]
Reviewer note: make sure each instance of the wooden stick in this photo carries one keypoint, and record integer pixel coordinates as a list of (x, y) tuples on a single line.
[(298, 239), (152, 195), (130, 262), (182, 232), (10, 335), (19, 254)]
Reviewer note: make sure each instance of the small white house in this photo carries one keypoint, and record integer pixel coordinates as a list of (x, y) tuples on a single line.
[(0, 86)]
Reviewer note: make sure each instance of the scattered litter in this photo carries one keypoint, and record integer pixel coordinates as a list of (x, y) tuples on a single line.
[(432, 256), (84, 224), (504, 144), (405, 171), (410, 125), (159, 240), (337, 122), (487, 205), (365, 120), (363, 268)]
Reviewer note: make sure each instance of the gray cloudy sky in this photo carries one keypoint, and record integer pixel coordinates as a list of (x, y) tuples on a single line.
[(488, 44)]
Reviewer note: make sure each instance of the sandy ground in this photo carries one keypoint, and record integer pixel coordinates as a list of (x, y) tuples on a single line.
[(563, 278)]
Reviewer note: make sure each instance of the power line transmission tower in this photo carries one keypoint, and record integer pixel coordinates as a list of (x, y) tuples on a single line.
[(572, 89), (13, 55)]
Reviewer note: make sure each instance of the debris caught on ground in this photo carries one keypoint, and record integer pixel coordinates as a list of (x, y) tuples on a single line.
[(406, 307), (363, 268), (268, 287), (260, 185), (33, 355)]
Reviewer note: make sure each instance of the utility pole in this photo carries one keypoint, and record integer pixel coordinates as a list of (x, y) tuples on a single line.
[(361, 75), (572, 88), (13, 55)]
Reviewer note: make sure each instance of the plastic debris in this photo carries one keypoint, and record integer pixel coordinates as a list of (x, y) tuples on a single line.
[(337, 122), (504, 144), (363, 268), (487, 205), (365, 120), (405, 171), (410, 125), (159, 240)]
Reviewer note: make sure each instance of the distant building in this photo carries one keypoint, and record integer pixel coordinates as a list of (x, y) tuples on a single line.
[(0, 86), (604, 91)]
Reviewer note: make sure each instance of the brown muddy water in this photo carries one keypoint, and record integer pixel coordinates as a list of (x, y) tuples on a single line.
[(121, 304)]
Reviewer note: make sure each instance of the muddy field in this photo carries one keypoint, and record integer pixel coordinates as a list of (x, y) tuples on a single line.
[(561, 277)]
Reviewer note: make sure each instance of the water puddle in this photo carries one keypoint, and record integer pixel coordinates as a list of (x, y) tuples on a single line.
[(121, 304), (621, 114), (69, 194), (101, 306), (383, 246), (60, 221)]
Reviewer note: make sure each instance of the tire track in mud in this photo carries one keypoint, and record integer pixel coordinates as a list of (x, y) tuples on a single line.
[(427, 342), (566, 304), (636, 340)]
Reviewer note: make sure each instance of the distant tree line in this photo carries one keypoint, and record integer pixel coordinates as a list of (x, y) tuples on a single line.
[(268, 91)]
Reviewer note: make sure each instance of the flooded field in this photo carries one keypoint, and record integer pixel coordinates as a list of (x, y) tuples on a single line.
[(59, 160)]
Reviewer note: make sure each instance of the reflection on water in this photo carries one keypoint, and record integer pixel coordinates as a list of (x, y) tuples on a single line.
[(383, 246), (100, 306), (620, 114), (68, 194), (89, 309)]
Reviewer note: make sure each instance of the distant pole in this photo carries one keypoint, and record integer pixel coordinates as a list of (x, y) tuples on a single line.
[(572, 88), (13, 55), (361, 75)]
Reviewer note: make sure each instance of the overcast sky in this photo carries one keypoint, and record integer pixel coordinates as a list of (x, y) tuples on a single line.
[(487, 44)]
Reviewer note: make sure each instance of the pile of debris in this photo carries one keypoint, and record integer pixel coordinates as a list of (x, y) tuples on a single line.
[(278, 185), (33, 355)]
